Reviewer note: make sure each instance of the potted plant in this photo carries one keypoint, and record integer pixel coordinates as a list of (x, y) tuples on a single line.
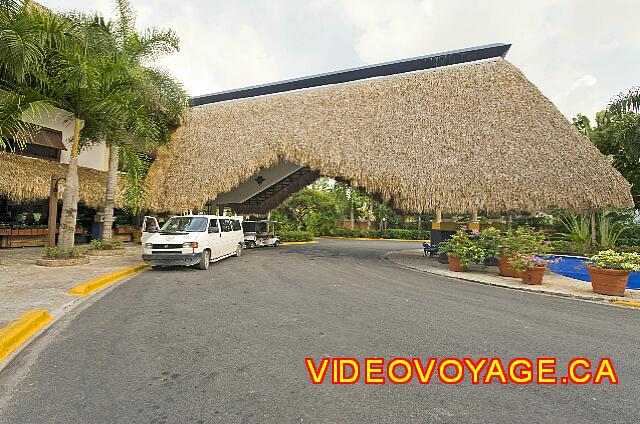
[(461, 249), (521, 240), (609, 271), (530, 267)]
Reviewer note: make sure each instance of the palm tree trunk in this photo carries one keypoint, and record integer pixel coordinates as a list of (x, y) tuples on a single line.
[(351, 219), (112, 181), (594, 239), (70, 197)]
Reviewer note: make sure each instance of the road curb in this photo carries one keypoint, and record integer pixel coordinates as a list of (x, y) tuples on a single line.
[(17, 332), (627, 303), (593, 299), (289, 243), (371, 239), (104, 280)]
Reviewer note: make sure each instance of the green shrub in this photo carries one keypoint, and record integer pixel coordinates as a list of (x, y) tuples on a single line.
[(105, 245), (399, 233), (610, 259), (295, 235), (627, 249), (464, 247), (55, 253)]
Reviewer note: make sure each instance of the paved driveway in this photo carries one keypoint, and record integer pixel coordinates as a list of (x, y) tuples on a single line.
[(228, 345)]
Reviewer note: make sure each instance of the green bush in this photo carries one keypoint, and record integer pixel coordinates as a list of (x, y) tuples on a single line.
[(627, 249), (399, 233), (105, 245), (55, 253), (295, 235), (394, 233)]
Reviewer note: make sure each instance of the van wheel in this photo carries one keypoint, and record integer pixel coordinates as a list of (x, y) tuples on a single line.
[(238, 251), (204, 261)]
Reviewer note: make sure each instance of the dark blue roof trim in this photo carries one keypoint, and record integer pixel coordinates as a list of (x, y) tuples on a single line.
[(431, 61)]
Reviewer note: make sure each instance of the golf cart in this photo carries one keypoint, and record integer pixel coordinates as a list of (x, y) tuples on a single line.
[(259, 233)]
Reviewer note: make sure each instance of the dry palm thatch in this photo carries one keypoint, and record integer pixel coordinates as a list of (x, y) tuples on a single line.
[(473, 137), (25, 178)]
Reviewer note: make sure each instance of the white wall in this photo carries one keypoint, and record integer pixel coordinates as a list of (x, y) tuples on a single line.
[(96, 156)]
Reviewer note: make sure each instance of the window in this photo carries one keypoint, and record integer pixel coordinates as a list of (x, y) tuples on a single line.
[(225, 224), (46, 144), (249, 226), (213, 223), (185, 224), (235, 224)]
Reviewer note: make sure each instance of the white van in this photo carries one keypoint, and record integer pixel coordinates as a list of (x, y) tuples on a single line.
[(191, 240)]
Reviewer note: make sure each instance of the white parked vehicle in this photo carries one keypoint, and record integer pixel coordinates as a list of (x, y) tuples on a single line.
[(259, 234), (191, 240)]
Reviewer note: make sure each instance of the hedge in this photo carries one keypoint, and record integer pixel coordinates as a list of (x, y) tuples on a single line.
[(295, 235), (394, 233)]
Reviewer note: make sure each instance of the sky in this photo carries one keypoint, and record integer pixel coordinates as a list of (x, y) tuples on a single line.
[(580, 53)]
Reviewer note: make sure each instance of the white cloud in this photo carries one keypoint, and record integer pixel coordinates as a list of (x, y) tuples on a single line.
[(580, 53)]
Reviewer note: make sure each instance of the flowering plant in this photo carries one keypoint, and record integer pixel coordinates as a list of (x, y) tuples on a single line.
[(610, 259), (526, 262), (523, 239), (463, 247)]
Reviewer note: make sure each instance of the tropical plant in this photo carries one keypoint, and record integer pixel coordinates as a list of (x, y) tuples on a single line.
[(578, 227), (60, 68), (617, 135), (525, 262), (523, 240), (609, 231), (463, 247), (53, 252), (104, 245), (490, 240), (150, 101), (610, 259)]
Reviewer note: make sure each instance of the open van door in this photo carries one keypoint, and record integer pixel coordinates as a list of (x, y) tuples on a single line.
[(149, 226)]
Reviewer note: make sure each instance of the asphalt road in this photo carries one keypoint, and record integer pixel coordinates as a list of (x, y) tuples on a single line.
[(228, 345)]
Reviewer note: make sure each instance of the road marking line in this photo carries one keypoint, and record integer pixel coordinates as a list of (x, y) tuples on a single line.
[(17, 332), (288, 243), (104, 280)]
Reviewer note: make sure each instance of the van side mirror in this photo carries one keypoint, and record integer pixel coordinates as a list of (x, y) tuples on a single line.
[(214, 230)]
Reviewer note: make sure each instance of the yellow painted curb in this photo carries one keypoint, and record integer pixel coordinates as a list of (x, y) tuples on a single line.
[(288, 243), (630, 303), (372, 239), (14, 334), (104, 280)]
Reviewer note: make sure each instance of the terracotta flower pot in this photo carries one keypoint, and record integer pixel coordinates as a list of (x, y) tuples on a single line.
[(608, 281), (533, 276), (505, 267), (454, 264)]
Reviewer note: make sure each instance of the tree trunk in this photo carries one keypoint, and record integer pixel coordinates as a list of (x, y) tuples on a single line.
[(112, 181), (419, 223), (351, 220), (594, 239), (70, 197)]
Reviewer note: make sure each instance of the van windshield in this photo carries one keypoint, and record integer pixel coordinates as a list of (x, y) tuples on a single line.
[(185, 224)]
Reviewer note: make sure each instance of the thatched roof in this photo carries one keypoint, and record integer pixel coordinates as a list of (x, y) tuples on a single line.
[(471, 137), (25, 179)]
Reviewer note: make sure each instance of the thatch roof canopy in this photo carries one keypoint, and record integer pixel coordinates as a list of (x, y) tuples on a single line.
[(25, 179), (473, 137)]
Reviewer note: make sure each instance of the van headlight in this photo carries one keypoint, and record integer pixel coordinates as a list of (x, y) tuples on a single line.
[(191, 244), (148, 245)]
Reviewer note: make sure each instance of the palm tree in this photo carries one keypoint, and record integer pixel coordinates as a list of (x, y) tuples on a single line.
[(626, 102), (51, 62), (150, 99)]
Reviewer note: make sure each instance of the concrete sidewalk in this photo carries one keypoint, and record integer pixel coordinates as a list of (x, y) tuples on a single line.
[(551, 284), (25, 286)]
